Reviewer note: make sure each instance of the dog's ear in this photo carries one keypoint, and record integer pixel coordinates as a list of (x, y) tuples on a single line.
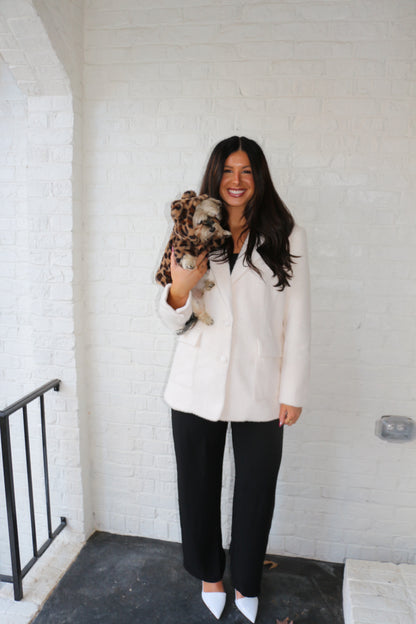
[(175, 208), (180, 204), (188, 195)]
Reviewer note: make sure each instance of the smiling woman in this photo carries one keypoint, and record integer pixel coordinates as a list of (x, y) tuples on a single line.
[(249, 368), (261, 216)]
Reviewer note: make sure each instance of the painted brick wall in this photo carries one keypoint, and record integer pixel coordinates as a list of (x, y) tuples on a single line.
[(15, 324), (328, 89), (15, 328), (41, 193), (63, 22), (37, 341)]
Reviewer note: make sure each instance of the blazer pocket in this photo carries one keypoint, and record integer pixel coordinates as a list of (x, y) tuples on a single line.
[(267, 371), (185, 358)]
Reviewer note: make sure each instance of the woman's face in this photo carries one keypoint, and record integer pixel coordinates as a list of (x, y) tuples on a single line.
[(237, 182)]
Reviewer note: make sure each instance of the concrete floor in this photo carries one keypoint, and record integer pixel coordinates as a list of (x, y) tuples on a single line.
[(125, 580)]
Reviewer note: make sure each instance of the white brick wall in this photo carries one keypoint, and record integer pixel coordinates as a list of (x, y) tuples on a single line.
[(379, 592), (15, 323), (63, 23), (15, 329), (328, 89), (41, 189)]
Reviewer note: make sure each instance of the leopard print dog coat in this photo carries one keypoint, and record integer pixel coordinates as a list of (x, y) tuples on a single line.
[(196, 228)]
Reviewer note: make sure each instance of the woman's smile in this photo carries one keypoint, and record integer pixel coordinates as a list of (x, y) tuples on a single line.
[(236, 192)]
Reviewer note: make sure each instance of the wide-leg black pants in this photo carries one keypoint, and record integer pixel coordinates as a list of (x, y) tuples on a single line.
[(199, 448)]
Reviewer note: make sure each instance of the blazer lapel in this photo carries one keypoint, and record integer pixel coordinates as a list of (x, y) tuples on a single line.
[(221, 272), (241, 266)]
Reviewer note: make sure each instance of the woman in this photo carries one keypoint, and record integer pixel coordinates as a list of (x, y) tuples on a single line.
[(249, 368)]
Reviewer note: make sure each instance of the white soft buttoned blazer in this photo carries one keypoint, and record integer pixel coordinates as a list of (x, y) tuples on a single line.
[(256, 355)]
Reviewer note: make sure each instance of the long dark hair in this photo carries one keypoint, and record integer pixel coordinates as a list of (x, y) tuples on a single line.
[(269, 221)]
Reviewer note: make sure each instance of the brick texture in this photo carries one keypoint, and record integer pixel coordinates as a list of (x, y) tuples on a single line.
[(40, 193), (328, 89)]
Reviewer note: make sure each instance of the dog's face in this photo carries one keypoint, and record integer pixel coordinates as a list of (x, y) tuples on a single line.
[(206, 220), (207, 208)]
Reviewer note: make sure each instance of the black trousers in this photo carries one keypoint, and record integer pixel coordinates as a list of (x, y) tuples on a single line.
[(199, 448)]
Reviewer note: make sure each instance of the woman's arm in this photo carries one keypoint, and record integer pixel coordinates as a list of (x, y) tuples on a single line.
[(294, 378), (183, 280), (175, 305)]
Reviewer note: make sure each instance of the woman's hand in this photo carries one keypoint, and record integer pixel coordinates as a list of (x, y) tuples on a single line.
[(289, 414), (183, 280)]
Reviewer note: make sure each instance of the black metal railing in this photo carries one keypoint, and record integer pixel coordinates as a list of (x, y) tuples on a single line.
[(17, 571)]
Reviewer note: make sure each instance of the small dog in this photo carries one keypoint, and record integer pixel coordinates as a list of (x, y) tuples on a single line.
[(196, 228)]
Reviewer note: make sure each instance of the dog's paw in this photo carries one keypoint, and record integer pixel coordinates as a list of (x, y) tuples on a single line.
[(206, 318), (188, 262)]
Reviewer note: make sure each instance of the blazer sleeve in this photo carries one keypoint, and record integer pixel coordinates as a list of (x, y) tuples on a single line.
[(174, 319), (295, 367)]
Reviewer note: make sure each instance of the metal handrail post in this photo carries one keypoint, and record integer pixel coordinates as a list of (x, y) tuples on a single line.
[(30, 483), (45, 465), (11, 508)]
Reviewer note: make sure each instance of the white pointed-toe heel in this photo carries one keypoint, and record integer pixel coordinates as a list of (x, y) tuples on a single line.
[(215, 601), (248, 606)]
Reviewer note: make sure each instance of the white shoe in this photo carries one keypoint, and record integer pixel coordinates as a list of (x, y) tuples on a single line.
[(215, 601), (248, 607)]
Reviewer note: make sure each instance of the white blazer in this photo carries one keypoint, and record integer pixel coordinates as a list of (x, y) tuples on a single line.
[(256, 355)]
